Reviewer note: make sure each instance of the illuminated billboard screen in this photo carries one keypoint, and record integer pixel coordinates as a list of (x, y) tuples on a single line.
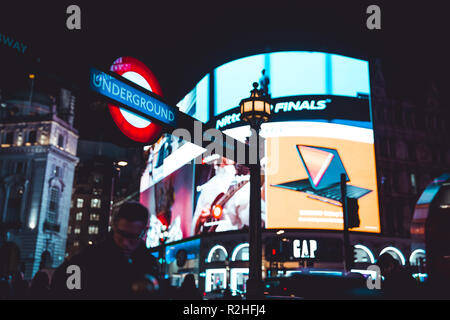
[(222, 196), (309, 142), (196, 102), (169, 202), (320, 128), (303, 172)]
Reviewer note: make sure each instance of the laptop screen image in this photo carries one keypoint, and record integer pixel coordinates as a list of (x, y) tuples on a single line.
[(323, 165)]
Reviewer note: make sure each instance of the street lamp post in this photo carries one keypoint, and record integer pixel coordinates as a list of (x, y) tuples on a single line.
[(116, 168), (31, 76), (255, 110)]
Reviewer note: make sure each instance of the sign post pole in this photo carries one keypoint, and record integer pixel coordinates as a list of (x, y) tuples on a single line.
[(254, 289), (347, 262)]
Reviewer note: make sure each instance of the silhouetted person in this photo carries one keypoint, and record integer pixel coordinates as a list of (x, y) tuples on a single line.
[(168, 292), (5, 288), (120, 267), (188, 290), (264, 82), (19, 286), (398, 282), (40, 286)]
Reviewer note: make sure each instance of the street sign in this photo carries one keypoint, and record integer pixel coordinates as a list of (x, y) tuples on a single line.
[(133, 126), (136, 99), (149, 107)]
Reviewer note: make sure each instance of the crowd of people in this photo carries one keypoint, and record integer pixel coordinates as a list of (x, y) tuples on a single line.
[(14, 287), (120, 267)]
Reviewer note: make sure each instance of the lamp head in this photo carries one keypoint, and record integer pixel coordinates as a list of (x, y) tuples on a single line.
[(255, 109)]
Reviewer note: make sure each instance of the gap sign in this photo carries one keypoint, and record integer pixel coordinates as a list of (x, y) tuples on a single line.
[(135, 99)]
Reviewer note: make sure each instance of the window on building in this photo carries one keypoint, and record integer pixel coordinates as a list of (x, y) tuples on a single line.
[(411, 152), (14, 204), (392, 148), (19, 140), (97, 192), (398, 117), (69, 229), (19, 168), (93, 230), (386, 182), (80, 203), (412, 119), (97, 178), (384, 147), (443, 123), (95, 203), (413, 183), (32, 137), (60, 141), (76, 243), (43, 138), (79, 216), (9, 138), (94, 217), (53, 206), (76, 231)]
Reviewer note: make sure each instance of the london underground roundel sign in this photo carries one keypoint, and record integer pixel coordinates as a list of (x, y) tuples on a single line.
[(132, 125)]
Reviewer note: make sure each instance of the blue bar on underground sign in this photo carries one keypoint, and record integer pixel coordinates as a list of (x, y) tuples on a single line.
[(125, 94)]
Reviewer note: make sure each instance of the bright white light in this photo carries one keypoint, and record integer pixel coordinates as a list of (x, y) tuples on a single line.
[(122, 163), (420, 276), (176, 160), (134, 119), (233, 276), (397, 252), (316, 129), (210, 159), (32, 222), (208, 280), (413, 255), (237, 249), (306, 129), (137, 79), (213, 249), (335, 273), (366, 250)]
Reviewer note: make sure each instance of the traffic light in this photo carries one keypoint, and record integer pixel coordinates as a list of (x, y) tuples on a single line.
[(278, 249), (352, 213), (274, 250), (271, 251)]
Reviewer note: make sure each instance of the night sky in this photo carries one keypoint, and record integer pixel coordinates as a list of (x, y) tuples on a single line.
[(181, 42)]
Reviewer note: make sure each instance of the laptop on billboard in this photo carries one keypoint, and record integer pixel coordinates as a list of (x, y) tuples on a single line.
[(324, 168)]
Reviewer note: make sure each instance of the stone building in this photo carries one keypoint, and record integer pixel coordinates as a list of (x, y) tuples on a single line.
[(99, 179), (37, 164), (412, 149)]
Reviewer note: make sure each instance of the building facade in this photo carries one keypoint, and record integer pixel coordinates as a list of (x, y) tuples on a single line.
[(37, 164), (100, 186), (412, 149)]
